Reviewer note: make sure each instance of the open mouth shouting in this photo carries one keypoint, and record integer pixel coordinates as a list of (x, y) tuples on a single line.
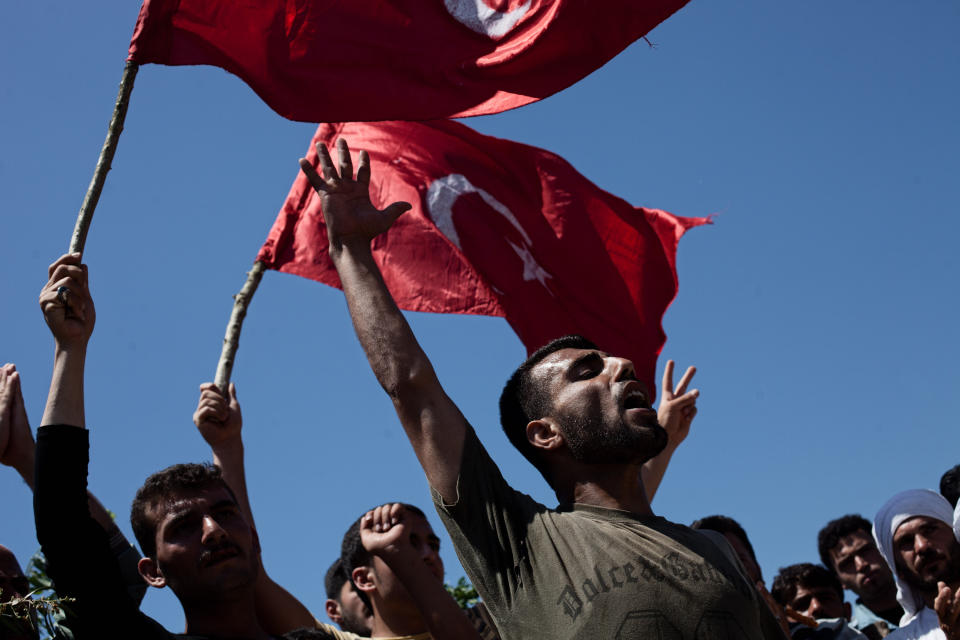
[(634, 399)]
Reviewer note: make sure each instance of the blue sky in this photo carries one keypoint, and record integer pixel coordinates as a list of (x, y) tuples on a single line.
[(821, 308)]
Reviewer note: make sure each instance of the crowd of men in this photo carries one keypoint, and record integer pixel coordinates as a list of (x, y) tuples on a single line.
[(599, 565)]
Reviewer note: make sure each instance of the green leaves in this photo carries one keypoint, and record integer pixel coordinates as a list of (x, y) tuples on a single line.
[(463, 592)]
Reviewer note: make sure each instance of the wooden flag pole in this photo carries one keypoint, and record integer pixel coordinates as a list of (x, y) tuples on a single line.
[(106, 158), (231, 341)]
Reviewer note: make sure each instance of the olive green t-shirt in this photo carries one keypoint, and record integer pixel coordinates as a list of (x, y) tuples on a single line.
[(590, 572)]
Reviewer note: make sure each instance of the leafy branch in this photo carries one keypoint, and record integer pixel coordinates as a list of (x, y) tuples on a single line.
[(463, 592)]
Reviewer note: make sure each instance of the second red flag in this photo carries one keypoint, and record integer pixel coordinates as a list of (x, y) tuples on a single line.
[(499, 228)]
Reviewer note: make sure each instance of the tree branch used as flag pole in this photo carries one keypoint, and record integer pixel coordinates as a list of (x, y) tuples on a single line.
[(106, 158), (231, 341)]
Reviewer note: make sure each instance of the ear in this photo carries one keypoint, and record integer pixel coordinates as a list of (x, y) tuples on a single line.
[(151, 573), (333, 611), (847, 611), (544, 434), (363, 579)]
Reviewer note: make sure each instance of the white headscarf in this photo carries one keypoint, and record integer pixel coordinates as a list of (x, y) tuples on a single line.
[(897, 510), (956, 521)]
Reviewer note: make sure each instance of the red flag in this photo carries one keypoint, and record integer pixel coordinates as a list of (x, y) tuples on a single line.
[(498, 228), (329, 61)]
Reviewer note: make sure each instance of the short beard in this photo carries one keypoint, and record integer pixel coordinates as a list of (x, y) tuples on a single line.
[(589, 442), (950, 574), (347, 623)]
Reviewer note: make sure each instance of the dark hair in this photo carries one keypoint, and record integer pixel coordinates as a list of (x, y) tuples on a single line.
[(950, 485), (353, 555), (809, 575), (334, 580), (829, 536), (523, 401), (724, 524), (163, 485)]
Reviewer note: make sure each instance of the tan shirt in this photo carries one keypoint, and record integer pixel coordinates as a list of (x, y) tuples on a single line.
[(337, 634)]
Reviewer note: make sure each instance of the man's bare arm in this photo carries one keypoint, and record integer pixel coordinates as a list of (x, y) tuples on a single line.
[(383, 534), (68, 309), (677, 409), (433, 423), (17, 445), (70, 314), (220, 422)]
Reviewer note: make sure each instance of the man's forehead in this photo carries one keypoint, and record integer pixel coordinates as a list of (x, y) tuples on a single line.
[(420, 523), (913, 523), (559, 361), (853, 541), (803, 589), (186, 501)]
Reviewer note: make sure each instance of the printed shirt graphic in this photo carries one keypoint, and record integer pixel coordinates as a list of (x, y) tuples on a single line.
[(590, 572)]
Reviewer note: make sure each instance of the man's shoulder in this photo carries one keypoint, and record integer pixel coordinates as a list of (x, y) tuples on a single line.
[(863, 618), (923, 626), (480, 481)]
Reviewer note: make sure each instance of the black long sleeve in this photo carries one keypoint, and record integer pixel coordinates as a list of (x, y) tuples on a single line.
[(79, 559)]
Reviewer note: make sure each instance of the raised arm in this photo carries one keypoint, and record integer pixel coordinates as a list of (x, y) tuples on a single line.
[(433, 423), (220, 422), (78, 551), (677, 409), (17, 451), (17, 445), (69, 312), (16, 439), (384, 534)]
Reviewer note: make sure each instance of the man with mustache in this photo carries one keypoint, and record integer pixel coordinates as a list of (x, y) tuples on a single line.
[(192, 530), (914, 532), (816, 593), (401, 595), (187, 521), (602, 565), (847, 549)]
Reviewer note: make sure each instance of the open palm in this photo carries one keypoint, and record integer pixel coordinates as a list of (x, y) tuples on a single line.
[(345, 200)]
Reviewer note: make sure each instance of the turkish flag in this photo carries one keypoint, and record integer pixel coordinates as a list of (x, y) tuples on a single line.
[(498, 228), (329, 60)]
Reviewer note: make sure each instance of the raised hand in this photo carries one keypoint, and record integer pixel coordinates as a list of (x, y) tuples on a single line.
[(218, 417), (677, 405), (16, 439), (947, 606), (66, 302), (382, 530), (345, 201)]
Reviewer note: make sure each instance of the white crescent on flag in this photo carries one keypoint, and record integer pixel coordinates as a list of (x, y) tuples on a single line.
[(444, 192), (484, 19)]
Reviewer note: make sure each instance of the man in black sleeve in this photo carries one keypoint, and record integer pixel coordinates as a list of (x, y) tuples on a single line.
[(847, 548), (192, 531)]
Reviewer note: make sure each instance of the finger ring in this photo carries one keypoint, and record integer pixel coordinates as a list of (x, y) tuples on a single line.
[(62, 295)]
